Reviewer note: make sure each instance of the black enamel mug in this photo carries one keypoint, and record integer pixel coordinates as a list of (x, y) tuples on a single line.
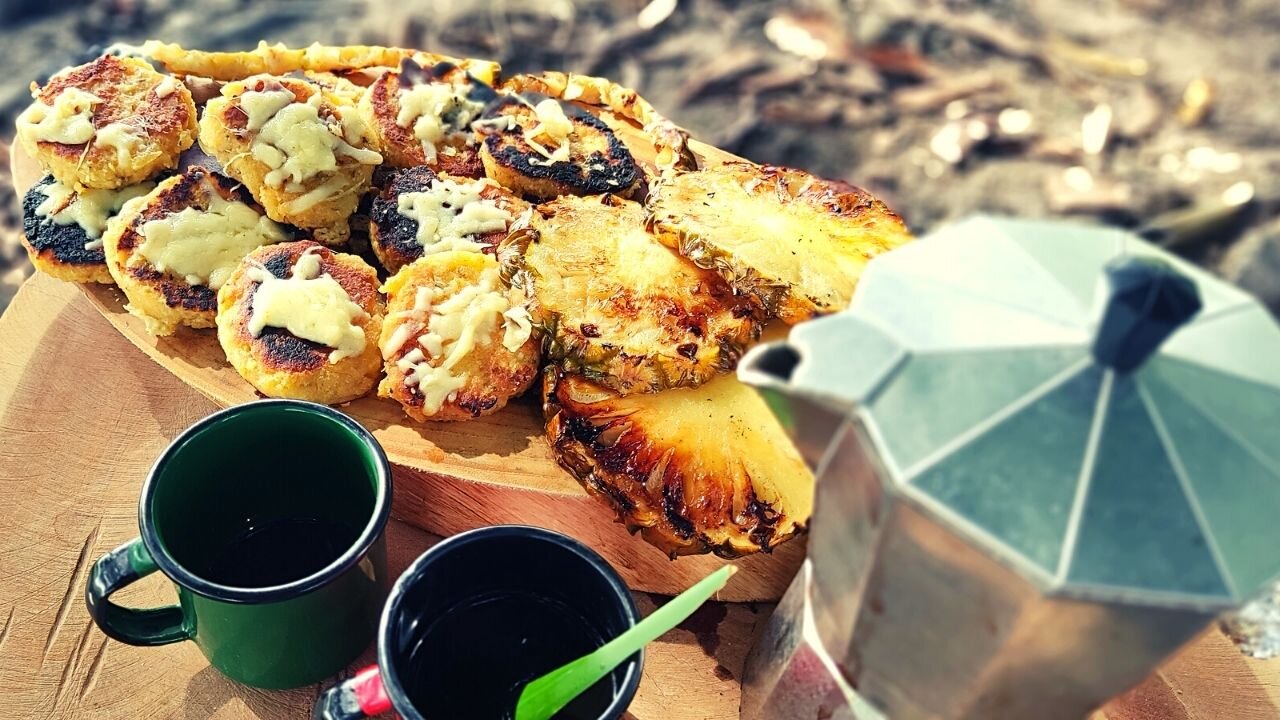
[(484, 612)]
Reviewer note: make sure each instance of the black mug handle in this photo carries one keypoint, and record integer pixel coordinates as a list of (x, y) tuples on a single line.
[(362, 696), (116, 569)]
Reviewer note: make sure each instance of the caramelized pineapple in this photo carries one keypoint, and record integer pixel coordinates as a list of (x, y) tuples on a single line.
[(617, 305), (706, 469), (280, 60), (795, 242)]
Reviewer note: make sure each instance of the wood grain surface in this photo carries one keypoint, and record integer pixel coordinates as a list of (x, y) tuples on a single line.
[(83, 414), (496, 469)]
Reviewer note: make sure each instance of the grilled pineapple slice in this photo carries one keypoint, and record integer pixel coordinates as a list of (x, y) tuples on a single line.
[(706, 469), (795, 242), (280, 60), (618, 306)]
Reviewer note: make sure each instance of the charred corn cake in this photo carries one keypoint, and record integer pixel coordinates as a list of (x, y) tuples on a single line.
[(457, 342), (423, 115), (418, 212), (63, 229), (301, 150), (109, 123), (171, 250), (299, 320), (542, 148)]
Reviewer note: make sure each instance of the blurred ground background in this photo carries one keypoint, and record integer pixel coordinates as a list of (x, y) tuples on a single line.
[(1158, 115)]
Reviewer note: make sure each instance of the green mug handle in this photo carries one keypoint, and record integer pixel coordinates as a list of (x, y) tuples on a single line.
[(116, 569)]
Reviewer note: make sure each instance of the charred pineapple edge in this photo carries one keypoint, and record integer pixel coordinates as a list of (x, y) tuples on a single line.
[(665, 528)]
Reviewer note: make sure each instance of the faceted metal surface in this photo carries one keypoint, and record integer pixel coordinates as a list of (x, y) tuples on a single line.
[(977, 362), (895, 616), (1004, 525)]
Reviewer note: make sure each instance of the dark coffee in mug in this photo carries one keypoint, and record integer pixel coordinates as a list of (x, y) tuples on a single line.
[(263, 502), (280, 550), (478, 616), (472, 662), (268, 517)]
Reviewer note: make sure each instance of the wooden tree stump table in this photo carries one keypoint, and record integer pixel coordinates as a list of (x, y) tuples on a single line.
[(83, 413)]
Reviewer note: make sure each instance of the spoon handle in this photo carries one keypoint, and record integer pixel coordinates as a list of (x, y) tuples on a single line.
[(663, 619)]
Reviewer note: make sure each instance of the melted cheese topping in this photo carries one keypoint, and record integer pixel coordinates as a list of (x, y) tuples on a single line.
[(553, 126), (260, 107), (203, 246), (454, 326), (123, 138), (294, 141), (69, 120), (89, 209), (320, 193), (166, 87), (450, 215), (435, 111), (309, 306)]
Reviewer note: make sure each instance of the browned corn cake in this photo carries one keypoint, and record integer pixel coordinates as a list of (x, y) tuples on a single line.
[(162, 298), (458, 154), (280, 364), (157, 111), (394, 235), (322, 202), (494, 373), (56, 242), (598, 161)]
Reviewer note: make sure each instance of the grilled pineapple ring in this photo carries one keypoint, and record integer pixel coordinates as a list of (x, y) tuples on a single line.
[(616, 305), (597, 162), (795, 242), (280, 60), (696, 470)]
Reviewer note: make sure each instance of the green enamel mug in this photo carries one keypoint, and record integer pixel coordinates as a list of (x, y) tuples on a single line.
[(269, 519)]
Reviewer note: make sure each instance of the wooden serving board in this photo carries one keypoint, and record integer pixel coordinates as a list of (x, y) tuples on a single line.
[(452, 477), (76, 448)]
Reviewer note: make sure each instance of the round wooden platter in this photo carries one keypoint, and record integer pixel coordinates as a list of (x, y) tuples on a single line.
[(452, 477)]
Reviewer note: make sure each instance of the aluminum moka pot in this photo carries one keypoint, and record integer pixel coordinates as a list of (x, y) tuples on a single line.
[(1046, 457)]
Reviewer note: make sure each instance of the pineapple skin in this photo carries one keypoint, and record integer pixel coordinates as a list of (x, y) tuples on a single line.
[(684, 491), (713, 216)]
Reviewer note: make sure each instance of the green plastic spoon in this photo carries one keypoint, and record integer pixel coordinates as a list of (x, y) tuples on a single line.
[(544, 696)]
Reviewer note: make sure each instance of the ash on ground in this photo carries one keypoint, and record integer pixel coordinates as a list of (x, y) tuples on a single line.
[(1256, 628)]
